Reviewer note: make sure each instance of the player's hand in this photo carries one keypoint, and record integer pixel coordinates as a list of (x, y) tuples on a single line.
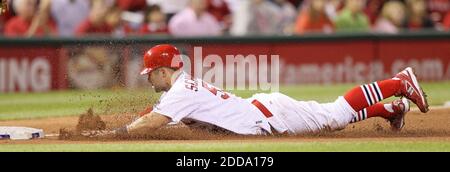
[(98, 133), (105, 133)]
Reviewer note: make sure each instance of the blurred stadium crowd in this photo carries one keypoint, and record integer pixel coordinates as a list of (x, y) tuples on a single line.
[(120, 18)]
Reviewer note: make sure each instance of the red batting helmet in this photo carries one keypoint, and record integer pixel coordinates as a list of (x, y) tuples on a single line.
[(161, 56)]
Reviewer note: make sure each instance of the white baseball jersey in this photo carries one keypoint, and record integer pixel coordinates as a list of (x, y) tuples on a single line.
[(194, 101)]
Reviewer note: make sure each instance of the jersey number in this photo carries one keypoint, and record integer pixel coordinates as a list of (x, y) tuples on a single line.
[(214, 90)]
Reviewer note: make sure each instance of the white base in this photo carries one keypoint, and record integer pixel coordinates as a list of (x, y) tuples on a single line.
[(447, 104), (20, 133)]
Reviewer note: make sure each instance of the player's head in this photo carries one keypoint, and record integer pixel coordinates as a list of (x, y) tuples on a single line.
[(160, 62)]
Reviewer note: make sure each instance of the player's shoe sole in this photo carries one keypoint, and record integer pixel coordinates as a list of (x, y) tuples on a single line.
[(410, 89), (400, 107)]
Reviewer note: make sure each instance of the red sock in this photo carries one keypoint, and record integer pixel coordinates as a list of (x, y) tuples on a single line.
[(369, 94), (376, 110)]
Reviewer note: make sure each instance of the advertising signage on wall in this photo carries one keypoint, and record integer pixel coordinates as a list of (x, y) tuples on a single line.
[(31, 69), (327, 62), (35, 68)]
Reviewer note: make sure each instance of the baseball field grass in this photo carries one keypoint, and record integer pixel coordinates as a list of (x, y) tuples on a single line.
[(28, 108), (228, 146), (73, 102)]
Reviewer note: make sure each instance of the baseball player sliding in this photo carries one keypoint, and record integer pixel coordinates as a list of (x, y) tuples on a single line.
[(197, 103)]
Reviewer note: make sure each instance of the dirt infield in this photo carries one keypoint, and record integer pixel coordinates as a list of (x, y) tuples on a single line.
[(435, 125)]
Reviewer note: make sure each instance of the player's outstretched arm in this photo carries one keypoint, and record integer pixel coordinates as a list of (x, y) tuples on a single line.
[(143, 125), (149, 122)]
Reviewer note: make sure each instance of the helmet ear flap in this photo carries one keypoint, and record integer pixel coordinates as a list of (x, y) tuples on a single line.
[(177, 62)]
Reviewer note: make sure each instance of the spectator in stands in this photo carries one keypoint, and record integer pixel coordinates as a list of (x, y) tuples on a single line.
[(313, 18), (170, 7), (418, 18), (30, 20), (233, 5), (131, 5), (3, 6), (95, 23), (332, 7), (219, 9), (155, 21), (241, 17), (391, 18), (6, 15), (264, 17), (373, 9), (352, 18), (437, 10), (446, 22), (69, 14), (114, 21), (288, 16), (296, 3), (194, 21), (257, 17)]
